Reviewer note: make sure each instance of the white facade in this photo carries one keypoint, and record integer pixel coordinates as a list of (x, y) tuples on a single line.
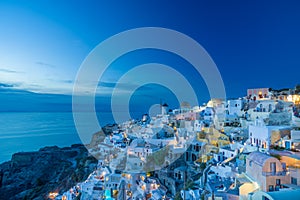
[(235, 107), (198, 126), (266, 106), (225, 153), (295, 135), (228, 153), (143, 150), (262, 136)]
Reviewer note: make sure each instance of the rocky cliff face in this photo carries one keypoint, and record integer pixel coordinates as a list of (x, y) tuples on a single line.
[(32, 175)]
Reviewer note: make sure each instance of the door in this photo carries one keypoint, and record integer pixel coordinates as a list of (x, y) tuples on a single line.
[(273, 167)]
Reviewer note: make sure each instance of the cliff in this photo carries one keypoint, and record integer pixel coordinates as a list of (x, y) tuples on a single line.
[(32, 175)]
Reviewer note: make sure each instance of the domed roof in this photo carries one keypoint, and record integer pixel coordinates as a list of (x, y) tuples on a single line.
[(259, 158)]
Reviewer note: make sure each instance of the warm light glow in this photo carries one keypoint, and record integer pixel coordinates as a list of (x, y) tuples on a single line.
[(115, 193), (294, 98), (143, 187), (128, 176), (52, 195)]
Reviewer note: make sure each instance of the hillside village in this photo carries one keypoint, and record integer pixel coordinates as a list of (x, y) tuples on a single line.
[(244, 148)]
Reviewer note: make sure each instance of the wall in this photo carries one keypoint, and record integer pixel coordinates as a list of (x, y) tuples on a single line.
[(235, 106), (259, 132), (295, 135), (227, 153)]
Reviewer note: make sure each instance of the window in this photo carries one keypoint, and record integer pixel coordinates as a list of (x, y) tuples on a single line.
[(250, 163), (294, 180), (273, 167), (271, 188), (277, 181), (197, 147)]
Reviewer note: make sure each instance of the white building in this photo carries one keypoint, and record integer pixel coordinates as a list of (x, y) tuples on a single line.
[(223, 171), (141, 148), (198, 126), (225, 153), (235, 107), (263, 136)]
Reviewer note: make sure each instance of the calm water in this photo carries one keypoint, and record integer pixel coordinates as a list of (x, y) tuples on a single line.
[(31, 131)]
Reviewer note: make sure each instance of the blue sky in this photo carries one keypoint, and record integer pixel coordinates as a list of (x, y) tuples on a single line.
[(43, 43)]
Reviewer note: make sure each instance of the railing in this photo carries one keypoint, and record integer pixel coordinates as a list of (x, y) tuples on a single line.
[(282, 173)]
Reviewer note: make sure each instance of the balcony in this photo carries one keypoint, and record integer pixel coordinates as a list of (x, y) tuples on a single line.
[(282, 173)]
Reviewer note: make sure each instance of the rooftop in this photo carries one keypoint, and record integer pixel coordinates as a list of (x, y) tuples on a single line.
[(258, 157)]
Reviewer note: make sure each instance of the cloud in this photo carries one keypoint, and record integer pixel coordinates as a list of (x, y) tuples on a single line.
[(45, 64), (107, 84), (122, 86), (8, 71), (60, 80), (67, 81)]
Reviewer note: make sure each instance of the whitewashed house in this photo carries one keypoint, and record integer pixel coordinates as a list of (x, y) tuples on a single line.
[(235, 107)]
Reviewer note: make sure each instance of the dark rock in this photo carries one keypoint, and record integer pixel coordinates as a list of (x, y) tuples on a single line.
[(32, 175), (21, 159)]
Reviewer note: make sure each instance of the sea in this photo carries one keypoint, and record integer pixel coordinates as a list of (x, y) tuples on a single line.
[(30, 131)]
